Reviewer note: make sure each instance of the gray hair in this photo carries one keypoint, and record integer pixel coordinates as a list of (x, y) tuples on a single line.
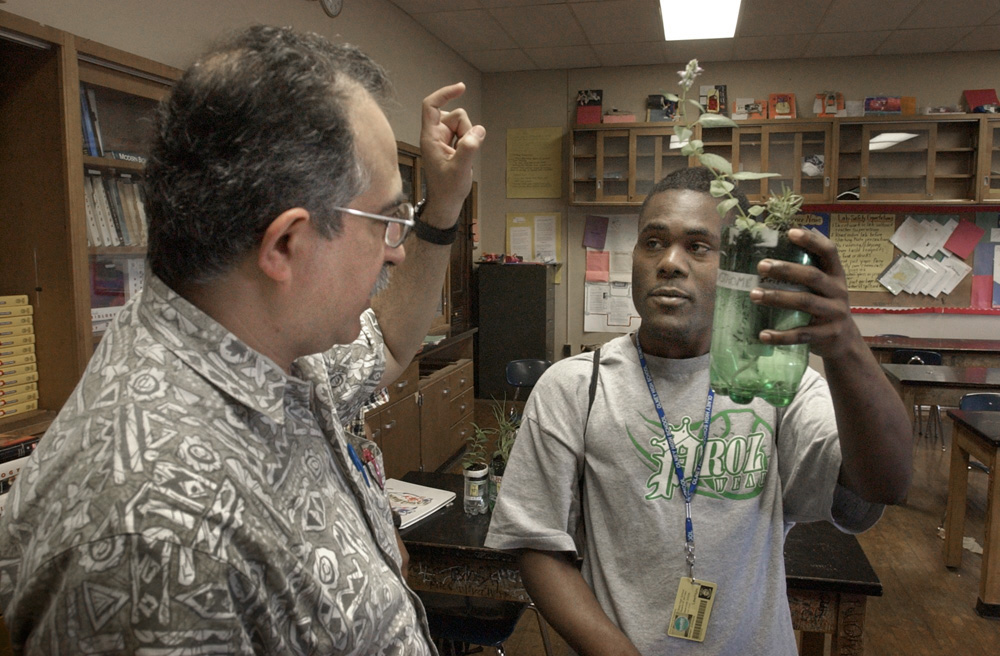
[(255, 127)]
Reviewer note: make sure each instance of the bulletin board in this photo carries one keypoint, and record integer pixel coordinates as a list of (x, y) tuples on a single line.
[(862, 233)]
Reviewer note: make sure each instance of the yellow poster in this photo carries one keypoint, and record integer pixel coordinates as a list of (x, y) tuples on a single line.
[(865, 250), (536, 237), (534, 163)]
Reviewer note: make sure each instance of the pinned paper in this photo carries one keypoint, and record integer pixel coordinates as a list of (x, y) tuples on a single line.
[(964, 239), (595, 232), (597, 266)]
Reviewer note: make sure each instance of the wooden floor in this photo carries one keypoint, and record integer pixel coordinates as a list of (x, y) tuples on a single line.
[(926, 609)]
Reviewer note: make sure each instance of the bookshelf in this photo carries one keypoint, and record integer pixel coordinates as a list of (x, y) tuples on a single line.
[(42, 189)]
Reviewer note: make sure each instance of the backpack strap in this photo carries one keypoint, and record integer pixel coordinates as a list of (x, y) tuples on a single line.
[(593, 384)]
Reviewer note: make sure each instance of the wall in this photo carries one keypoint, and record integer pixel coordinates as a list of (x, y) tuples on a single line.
[(537, 99), (174, 32)]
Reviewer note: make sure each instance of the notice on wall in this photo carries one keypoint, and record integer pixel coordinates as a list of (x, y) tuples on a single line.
[(536, 237), (534, 163), (865, 250)]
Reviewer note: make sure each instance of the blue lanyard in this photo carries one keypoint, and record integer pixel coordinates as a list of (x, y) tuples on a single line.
[(686, 491)]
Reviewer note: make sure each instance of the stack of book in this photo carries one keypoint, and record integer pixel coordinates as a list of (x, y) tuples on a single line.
[(18, 369), (14, 452), (116, 211)]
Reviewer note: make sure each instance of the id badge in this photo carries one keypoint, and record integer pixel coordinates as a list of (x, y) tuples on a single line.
[(692, 608)]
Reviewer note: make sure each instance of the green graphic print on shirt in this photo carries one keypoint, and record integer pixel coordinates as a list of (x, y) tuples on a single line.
[(735, 464)]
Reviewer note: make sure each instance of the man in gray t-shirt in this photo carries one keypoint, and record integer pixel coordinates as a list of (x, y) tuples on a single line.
[(838, 453)]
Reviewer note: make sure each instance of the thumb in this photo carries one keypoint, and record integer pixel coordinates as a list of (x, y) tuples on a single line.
[(468, 146)]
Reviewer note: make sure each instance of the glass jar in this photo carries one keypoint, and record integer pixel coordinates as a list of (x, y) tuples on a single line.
[(741, 366), (476, 489)]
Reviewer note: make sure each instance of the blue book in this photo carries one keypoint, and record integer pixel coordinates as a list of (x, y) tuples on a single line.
[(89, 143)]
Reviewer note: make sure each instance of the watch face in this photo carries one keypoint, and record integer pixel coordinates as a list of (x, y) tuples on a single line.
[(332, 7)]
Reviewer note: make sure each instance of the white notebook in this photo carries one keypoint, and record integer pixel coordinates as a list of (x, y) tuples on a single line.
[(414, 502)]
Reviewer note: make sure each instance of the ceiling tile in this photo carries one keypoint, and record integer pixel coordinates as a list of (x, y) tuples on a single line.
[(620, 21), (424, 6), (491, 4), (466, 31), (912, 41), (631, 54), (543, 26), (765, 17), (934, 13), (704, 50), (563, 57), (845, 44), (986, 37), (848, 15), (498, 61), (789, 46)]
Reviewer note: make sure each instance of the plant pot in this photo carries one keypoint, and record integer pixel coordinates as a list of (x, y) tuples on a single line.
[(475, 498), (741, 366), (496, 477)]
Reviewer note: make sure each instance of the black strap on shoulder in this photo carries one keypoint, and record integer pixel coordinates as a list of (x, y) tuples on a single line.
[(593, 380)]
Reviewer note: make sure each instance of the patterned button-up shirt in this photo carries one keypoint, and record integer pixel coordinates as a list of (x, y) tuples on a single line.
[(193, 498)]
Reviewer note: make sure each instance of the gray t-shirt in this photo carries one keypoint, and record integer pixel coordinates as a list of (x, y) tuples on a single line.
[(750, 493)]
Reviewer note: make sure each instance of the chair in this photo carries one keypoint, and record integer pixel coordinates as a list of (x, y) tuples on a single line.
[(525, 373), (456, 622), (919, 356)]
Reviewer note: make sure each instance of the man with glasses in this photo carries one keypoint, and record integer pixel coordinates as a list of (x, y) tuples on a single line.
[(197, 493)]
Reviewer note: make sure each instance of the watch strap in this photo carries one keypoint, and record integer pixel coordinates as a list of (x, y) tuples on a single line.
[(430, 234)]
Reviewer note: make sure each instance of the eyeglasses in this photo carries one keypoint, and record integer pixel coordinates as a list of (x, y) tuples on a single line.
[(397, 228)]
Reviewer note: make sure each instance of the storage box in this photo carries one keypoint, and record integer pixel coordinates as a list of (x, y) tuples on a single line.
[(619, 117)]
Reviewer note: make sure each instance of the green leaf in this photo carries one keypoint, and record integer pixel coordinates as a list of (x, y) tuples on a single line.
[(727, 205), (716, 162), (756, 210), (716, 121), (693, 147), (752, 175), (683, 133), (720, 188), (671, 97)]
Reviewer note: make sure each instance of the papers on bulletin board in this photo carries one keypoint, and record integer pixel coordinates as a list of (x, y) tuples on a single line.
[(862, 241), (930, 276), (534, 163), (536, 238), (608, 304)]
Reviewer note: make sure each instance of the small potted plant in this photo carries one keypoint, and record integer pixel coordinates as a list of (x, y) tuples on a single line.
[(741, 366), (475, 469), (505, 433)]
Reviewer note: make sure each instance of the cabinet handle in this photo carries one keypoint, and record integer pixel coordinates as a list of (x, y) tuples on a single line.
[(401, 384), (864, 181), (376, 433), (462, 381), (445, 392), (390, 425), (826, 181), (461, 408), (986, 181)]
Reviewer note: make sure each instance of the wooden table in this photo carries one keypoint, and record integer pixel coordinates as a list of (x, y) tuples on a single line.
[(954, 352), (828, 575), (976, 434), (940, 384)]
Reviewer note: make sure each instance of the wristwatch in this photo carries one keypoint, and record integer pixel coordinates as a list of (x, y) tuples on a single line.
[(430, 234)]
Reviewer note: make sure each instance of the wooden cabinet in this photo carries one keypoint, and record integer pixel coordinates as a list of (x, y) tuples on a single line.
[(42, 168), (430, 411), (953, 158), (989, 160), (933, 159)]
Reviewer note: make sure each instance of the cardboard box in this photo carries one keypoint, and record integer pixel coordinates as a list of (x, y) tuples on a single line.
[(619, 117)]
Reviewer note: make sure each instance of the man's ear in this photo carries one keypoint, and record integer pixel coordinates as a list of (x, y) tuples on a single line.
[(285, 235)]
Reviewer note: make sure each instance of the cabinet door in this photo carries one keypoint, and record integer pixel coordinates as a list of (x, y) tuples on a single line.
[(897, 161), (435, 420), (399, 426), (848, 138), (654, 154), (600, 164), (748, 155), (117, 109), (799, 155), (989, 161)]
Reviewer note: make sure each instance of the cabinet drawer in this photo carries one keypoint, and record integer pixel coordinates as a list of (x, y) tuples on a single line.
[(461, 406), (406, 384), (461, 378)]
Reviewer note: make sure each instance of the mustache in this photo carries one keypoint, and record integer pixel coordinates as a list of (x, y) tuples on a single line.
[(382, 282)]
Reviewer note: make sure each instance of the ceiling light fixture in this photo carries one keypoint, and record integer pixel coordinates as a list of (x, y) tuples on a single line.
[(684, 20)]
